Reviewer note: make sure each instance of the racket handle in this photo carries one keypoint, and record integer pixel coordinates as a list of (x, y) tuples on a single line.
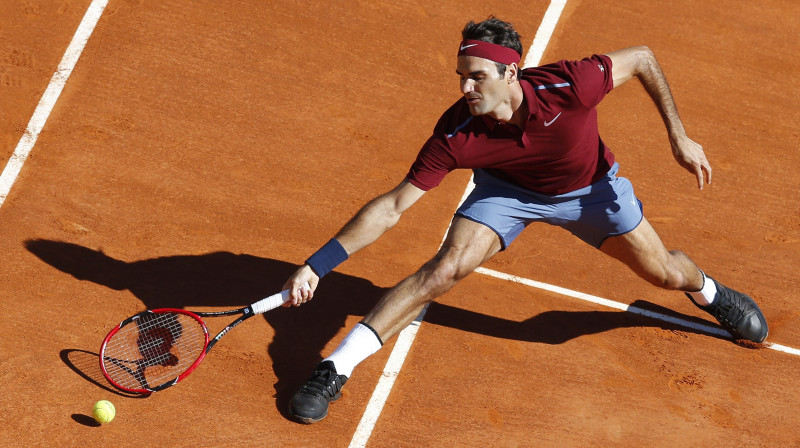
[(274, 301)]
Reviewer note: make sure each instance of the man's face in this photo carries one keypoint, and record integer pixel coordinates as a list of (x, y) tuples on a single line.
[(481, 85)]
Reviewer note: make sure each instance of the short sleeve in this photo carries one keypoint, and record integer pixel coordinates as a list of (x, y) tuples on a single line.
[(433, 162), (591, 78)]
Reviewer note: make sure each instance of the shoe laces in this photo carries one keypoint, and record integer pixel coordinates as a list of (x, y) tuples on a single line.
[(323, 383), (730, 312)]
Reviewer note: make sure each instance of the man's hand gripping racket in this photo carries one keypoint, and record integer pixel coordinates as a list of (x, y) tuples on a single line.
[(156, 349)]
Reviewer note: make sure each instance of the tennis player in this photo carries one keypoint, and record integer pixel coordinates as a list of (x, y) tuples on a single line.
[(531, 138)]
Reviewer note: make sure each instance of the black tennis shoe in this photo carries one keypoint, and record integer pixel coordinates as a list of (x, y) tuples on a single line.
[(737, 313), (310, 403)]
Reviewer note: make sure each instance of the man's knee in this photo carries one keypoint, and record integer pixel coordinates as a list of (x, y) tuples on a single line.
[(442, 272)]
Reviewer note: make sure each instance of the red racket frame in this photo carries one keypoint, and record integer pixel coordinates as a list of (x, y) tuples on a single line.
[(132, 320)]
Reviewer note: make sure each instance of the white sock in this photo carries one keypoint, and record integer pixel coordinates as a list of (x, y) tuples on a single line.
[(705, 296), (357, 346)]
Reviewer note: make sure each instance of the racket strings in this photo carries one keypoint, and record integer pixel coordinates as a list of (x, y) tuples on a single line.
[(153, 349)]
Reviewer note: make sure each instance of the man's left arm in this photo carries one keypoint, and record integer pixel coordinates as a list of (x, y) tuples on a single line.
[(640, 62)]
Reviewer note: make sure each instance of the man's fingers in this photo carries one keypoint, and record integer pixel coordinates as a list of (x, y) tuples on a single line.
[(700, 177), (296, 293), (690, 155), (703, 173), (301, 286), (305, 292), (302, 292)]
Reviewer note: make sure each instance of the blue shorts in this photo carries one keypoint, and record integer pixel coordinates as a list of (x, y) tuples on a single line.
[(605, 208)]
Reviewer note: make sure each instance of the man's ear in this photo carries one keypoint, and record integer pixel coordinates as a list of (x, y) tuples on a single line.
[(512, 73)]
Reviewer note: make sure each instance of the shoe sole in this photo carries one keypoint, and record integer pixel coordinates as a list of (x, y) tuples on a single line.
[(307, 420), (310, 420)]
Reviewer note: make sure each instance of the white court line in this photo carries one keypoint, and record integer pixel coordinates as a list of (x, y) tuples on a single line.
[(49, 98), (783, 348), (406, 337), (623, 307), (544, 33), (603, 302)]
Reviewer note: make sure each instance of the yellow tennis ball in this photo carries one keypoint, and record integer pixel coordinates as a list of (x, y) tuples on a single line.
[(104, 411)]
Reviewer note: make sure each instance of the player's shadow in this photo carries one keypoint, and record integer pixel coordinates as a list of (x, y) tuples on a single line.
[(558, 327), (228, 280)]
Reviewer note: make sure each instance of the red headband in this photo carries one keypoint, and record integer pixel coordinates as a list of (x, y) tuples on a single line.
[(488, 50)]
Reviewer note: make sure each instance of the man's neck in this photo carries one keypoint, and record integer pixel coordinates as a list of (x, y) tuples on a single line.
[(512, 111)]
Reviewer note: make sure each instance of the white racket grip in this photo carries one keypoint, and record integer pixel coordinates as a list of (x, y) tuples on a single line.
[(274, 301)]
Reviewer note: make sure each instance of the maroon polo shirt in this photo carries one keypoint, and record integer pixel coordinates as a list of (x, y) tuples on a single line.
[(560, 149)]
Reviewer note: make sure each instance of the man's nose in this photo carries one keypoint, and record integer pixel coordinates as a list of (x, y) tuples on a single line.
[(467, 86)]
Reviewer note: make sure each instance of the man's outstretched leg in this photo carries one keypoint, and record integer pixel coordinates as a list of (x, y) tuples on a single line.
[(467, 246), (643, 251)]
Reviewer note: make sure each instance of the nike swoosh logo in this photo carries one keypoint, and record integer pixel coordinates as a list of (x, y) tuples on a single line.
[(467, 46), (548, 123)]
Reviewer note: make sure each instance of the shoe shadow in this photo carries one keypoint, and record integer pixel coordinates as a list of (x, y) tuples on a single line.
[(228, 280)]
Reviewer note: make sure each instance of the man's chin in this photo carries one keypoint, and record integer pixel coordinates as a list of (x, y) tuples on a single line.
[(476, 111)]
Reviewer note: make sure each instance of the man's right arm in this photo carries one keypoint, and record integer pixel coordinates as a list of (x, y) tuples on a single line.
[(373, 220), (640, 62)]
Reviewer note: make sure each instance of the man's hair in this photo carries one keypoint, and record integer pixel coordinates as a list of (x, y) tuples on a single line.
[(497, 32)]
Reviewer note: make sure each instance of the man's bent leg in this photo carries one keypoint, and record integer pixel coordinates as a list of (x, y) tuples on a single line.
[(468, 244), (642, 251)]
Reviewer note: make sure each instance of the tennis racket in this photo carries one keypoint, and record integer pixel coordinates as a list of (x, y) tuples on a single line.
[(156, 349)]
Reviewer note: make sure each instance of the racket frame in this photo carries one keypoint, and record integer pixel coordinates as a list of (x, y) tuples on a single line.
[(132, 320), (247, 312)]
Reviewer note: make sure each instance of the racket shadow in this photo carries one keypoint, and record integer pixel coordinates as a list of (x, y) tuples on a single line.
[(85, 364)]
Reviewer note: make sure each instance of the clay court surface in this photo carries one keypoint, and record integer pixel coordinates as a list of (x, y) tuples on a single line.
[(201, 150)]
